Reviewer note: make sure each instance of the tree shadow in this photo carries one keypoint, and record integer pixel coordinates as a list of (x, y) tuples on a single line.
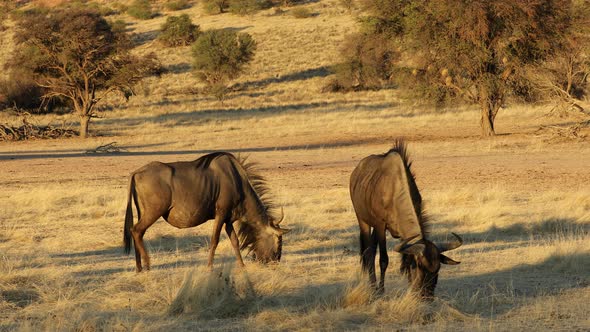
[(195, 153), (76, 151), (321, 71), (204, 116), (178, 68), (141, 38)]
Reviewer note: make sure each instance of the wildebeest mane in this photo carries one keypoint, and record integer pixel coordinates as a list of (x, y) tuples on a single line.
[(400, 147), (247, 232)]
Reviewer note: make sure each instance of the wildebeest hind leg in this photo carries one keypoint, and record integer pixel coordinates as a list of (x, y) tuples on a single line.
[(379, 236), (233, 237), (137, 231), (368, 251), (219, 221)]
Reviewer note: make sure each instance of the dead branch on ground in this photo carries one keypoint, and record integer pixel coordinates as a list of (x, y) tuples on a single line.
[(107, 148)]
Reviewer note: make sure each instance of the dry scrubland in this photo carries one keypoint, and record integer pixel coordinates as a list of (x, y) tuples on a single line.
[(521, 201)]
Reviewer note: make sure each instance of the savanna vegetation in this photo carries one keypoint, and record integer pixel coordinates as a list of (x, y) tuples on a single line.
[(311, 98)]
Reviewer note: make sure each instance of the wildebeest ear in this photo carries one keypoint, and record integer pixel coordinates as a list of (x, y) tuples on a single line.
[(414, 249), (446, 260)]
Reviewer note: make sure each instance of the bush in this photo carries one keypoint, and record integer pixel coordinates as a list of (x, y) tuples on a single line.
[(140, 9), (248, 7), (178, 31), (220, 56), (288, 3), (86, 5), (215, 6), (21, 91), (368, 64), (301, 12), (177, 5)]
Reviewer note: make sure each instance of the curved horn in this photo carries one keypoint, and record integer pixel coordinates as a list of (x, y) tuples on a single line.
[(282, 217), (450, 245), (400, 246)]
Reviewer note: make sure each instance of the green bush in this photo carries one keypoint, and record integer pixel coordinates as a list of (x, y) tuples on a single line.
[(178, 31), (248, 7), (215, 6), (368, 63), (220, 56), (177, 5), (21, 91), (140, 9)]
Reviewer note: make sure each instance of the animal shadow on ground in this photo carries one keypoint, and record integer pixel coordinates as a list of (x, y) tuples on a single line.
[(141, 38), (155, 246)]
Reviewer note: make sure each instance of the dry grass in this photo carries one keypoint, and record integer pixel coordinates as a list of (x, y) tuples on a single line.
[(521, 203)]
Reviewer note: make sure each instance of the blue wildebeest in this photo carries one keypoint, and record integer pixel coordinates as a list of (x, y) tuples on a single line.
[(186, 194), (386, 199)]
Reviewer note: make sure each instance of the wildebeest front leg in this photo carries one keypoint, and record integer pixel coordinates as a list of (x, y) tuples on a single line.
[(233, 237), (219, 221), (379, 234), (368, 251)]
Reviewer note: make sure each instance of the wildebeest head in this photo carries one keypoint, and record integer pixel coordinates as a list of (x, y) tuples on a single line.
[(269, 243), (421, 262)]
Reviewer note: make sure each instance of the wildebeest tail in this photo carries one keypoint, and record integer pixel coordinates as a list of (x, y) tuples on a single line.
[(129, 217)]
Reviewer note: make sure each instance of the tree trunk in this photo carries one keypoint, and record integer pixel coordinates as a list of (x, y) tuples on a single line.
[(487, 121), (84, 121), (490, 103)]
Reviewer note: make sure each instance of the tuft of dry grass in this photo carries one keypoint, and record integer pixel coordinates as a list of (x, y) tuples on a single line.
[(214, 294)]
